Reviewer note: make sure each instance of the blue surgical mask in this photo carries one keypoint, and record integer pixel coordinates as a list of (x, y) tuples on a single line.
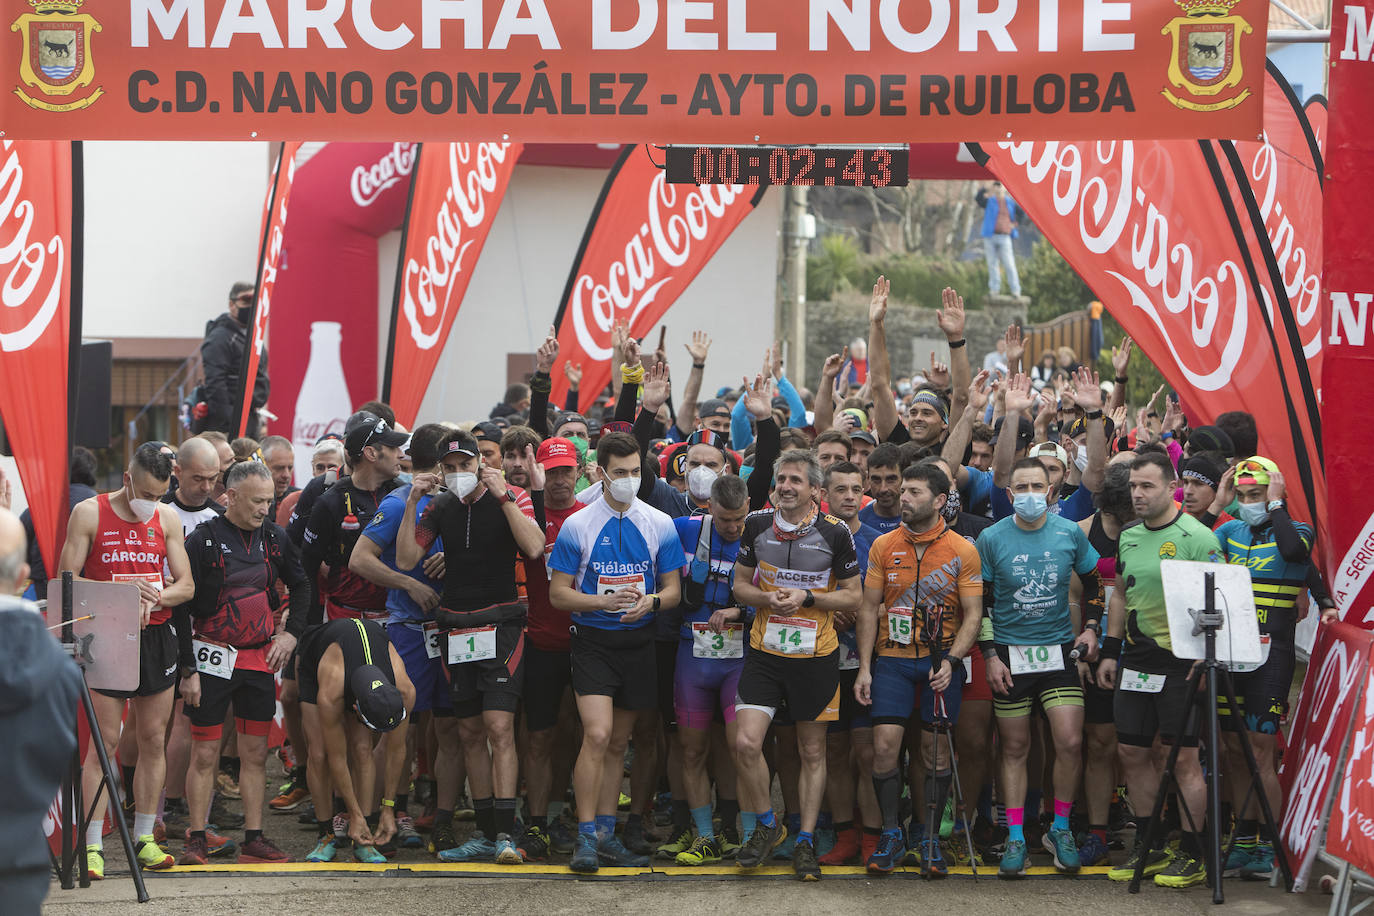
[(405, 477), (1029, 506), (1253, 514)]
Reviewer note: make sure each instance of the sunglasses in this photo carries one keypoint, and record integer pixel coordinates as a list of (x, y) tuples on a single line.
[(244, 298)]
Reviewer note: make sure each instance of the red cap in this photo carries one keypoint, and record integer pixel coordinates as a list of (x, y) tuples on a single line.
[(556, 453)]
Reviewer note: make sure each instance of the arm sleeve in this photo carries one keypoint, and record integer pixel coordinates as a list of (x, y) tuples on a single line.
[(1174, 449), (297, 588), (740, 433), (321, 532), (643, 430), (625, 404), (570, 401), (537, 500), (769, 447), (1294, 539), (796, 410), (540, 386)]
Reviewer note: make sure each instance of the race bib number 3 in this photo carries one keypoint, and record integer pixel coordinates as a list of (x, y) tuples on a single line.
[(471, 645), (790, 635), (216, 661), (729, 643), (899, 625), (1141, 682), (433, 640), (1035, 659)]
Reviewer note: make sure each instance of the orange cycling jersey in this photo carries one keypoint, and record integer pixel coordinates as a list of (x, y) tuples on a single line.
[(921, 590)]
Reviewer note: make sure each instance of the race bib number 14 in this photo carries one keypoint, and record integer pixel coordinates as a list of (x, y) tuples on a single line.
[(790, 635)]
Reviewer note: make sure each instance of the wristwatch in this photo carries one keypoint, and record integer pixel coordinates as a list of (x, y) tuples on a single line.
[(1275, 504), (809, 600), (187, 670), (510, 496)]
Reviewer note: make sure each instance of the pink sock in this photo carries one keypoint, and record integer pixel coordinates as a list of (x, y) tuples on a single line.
[(1062, 808), (1015, 818)]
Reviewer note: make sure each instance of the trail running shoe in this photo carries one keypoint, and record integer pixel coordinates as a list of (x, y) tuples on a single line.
[(804, 863), (194, 852), (1183, 871), (442, 838), (1061, 845), (728, 838), (506, 853), (1261, 863), (477, 849), (1092, 851), (293, 795), (705, 850), (150, 855), (407, 837), (324, 850), (761, 845), (1156, 863), (846, 848), (585, 861), (533, 845), (888, 855), (1013, 864), (262, 850), (1241, 856), (934, 865), (562, 837), (95, 863), (227, 785), (463, 810), (634, 840), (341, 826), (613, 854), (368, 855), (677, 846), (216, 844), (221, 816)]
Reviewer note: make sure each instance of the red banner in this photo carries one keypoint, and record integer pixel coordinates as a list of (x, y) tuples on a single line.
[(1181, 257), (269, 261), (1350, 285), (1350, 830), (693, 71), (456, 192), (39, 254), (645, 242), (1336, 676)]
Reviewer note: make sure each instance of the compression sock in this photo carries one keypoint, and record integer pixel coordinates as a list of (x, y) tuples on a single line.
[(127, 777), (587, 828), (767, 819), (605, 827), (937, 791), (1015, 821), (888, 788), (442, 818), (250, 835), (701, 819), (748, 820), (485, 815), (728, 811), (505, 816), (985, 805), (143, 824), (1062, 809)]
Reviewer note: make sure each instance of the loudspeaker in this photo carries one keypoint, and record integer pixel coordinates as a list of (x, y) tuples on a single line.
[(93, 394)]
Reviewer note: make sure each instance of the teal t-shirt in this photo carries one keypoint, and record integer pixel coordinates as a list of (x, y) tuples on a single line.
[(1029, 573)]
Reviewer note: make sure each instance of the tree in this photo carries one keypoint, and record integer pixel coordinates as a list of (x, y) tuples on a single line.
[(1053, 286)]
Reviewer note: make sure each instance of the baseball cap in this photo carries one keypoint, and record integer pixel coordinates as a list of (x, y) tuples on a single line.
[(1053, 449), (672, 464), (459, 443), (715, 407), (375, 432), (707, 437), (864, 435), (857, 414), (1211, 439), (361, 418), (487, 431), (572, 416), (556, 453), (1202, 468), (1255, 470), (616, 426), (1025, 432), (376, 700)]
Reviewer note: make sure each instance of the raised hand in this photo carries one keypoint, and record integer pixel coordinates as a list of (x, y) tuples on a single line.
[(951, 315), (1173, 416), (547, 353), (877, 306), (1087, 389), (620, 333), (1119, 420), (1277, 488), (1121, 357), (978, 394), (535, 468), (573, 373), (699, 347), (833, 362), (656, 387), (631, 351), (939, 372), (758, 397), (1016, 346), (1018, 395)]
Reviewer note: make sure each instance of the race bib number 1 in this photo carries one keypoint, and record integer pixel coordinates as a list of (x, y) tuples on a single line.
[(790, 635), (433, 639), (216, 661), (729, 643), (1035, 659), (899, 625), (471, 645)]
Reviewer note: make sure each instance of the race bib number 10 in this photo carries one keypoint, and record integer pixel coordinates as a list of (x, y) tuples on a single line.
[(1035, 659), (790, 635), (216, 661), (471, 645)]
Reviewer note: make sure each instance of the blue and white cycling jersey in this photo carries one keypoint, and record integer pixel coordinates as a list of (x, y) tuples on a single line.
[(605, 551)]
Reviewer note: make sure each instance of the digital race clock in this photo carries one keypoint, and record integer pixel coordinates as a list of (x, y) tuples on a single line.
[(811, 166)]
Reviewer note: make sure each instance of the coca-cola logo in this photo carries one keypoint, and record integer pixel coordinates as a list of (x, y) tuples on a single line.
[(473, 173), (272, 262), (1301, 272), (310, 431), (675, 221), (33, 270), (1194, 294), (369, 181)]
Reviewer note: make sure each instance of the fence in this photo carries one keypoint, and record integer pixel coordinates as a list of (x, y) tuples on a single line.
[(1073, 330)]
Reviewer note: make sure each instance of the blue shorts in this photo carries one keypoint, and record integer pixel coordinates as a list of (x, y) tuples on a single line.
[(701, 686), (899, 682), (427, 674)]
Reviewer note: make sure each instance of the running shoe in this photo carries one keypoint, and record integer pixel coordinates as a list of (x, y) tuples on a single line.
[(677, 846), (160, 831), (341, 826), (463, 810), (150, 855), (221, 816), (625, 802), (1261, 863), (368, 855), (585, 860), (1092, 851), (888, 855), (216, 844), (95, 863), (1242, 854), (728, 838), (194, 852), (1156, 863), (506, 853), (915, 842), (562, 837), (705, 850), (613, 854), (227, 785), (407, 837), (1183, 871), (804, 863), (533, 845), (387, 849), (324, 850), (825, 841), (934, 865), (477, 849), (1061, 845), (442, 838), (845, 850), (784, 851), (264, 851), (293, 795), (1013, 863), (761, 845), (634, 839)]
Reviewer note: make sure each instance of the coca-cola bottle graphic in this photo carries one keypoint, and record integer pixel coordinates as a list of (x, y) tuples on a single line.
[(323, 405)]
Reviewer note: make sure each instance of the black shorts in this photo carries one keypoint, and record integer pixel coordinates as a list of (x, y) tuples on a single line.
[(1141, 715), (547, 675), (620, 664), (666, 661), (1048, 688), (1098, 704), (1262, 693), (492, 683), (288, 670), (253, 693), (853, 714), (157, 662), (808, 687)]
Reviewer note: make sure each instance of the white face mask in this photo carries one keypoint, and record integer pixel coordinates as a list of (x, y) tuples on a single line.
[(699, 480), (1081, 462), (143, 509), (461, 483), (623, 489)]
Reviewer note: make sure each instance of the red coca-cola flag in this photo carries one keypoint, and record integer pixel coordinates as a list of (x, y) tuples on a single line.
[(645, 242), (1349, 282), (269, 261), (455, 195), (40, 254), (1331, 693), (1350, 829), (1154, 230)]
